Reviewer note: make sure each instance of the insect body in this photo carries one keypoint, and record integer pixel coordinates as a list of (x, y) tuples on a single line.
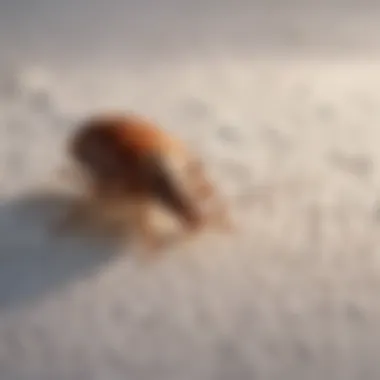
[(127, 157)]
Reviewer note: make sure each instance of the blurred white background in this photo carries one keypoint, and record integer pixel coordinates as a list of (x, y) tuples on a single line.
[(282, 99)]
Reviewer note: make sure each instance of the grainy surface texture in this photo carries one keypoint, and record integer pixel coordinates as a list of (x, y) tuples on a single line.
[(284, 103)]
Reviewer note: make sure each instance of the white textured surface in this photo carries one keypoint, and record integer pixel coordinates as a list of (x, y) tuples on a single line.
[(294, 296)]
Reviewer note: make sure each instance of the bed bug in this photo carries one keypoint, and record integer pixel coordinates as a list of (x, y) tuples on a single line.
[(128, 158)]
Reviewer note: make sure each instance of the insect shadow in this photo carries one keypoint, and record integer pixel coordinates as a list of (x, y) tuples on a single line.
[(35, 261)]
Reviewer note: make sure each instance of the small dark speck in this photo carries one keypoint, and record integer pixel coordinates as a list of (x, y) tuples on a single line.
[(303, 351), (226, 348), (302, 91), (276, 139), (16, 163), (113, 358), (61, 123), (325, 112), (18, 130), (41, 101), (358, 165), (232, 364), (10, 88), (354, 313), (236, 171), (118, 314), (196, 109), (377, 213), (15, 127), (150, 322), (228, 133), (362, 102)]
